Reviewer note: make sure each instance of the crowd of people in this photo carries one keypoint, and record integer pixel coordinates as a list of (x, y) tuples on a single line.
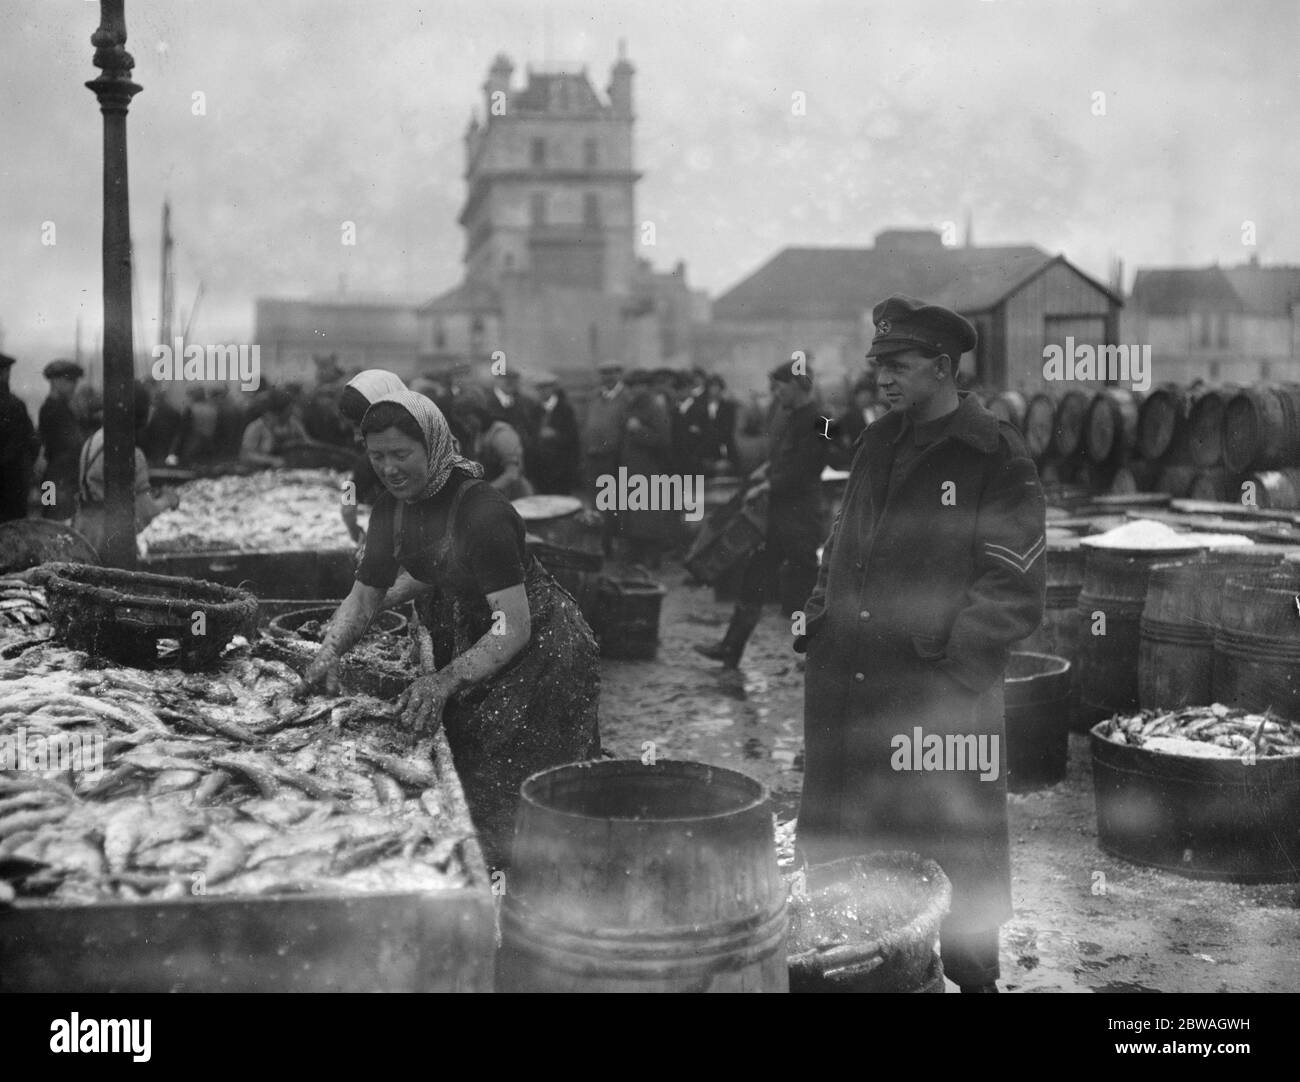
[(652, 422)]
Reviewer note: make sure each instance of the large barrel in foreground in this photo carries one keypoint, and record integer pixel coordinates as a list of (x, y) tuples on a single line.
[(634, 878)]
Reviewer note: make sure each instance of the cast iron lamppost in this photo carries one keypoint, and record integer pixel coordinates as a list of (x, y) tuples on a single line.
[(114, 89)]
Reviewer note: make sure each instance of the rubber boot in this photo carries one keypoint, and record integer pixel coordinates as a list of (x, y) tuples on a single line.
[(743, 621)]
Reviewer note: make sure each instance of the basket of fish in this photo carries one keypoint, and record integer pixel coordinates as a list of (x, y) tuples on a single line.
[(1207, 791), (867, 924), (382, 663), (162, 830), (143, 619)]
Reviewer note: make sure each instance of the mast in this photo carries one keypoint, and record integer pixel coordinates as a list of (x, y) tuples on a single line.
[(166, 302)]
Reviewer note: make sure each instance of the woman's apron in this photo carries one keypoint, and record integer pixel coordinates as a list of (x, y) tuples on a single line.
[(539, 711)]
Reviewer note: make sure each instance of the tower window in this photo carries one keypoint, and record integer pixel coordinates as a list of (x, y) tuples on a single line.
[(539, 152), (591, 209), (537, 208), (589, 154)]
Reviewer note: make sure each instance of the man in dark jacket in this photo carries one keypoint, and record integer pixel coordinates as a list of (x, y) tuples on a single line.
[(719, 412), (553, 467), (933, 569), (61, 439), (792, 478), (18, 448)]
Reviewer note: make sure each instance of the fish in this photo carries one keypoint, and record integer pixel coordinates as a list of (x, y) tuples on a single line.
[(254, 772), (228, 859), (387, 789), (171, 781), (210, 786), (305, 782), (404, 770), (362, 853), (186, 856), (122, 834), (34, 798), (20, 821), (278, 813), (110, 780), (432, 803)]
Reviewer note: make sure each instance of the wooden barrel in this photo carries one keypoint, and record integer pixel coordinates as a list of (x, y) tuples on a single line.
[(1176, 655), (1277, 489), (1261, 428), (1162, 423), (1211, 483), (1205, 426), (1110, 432), (1176, 480), (635, 878), (1009, 406), (1138, 475), (1040, 426), (1037, 692), (1114, 588), (1071, 415), (1257, 642)]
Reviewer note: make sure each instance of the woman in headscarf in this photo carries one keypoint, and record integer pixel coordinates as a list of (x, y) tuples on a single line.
[(362, 390), (518, 670)]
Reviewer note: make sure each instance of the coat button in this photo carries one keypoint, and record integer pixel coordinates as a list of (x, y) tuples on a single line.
[(864, 615), (859, 677)]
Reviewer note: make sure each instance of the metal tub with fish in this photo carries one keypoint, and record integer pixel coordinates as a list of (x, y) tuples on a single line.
[(209, 833)]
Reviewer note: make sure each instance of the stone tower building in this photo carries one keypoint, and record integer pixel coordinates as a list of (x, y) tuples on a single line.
[(552, 277)]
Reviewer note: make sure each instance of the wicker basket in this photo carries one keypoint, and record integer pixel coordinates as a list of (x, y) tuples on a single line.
[(729, 537), (124, 615)]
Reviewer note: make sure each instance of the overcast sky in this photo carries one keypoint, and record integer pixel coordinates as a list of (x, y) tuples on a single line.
[(325, 111)]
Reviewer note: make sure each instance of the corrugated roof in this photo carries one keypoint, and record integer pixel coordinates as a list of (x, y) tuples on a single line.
[(841, 283)]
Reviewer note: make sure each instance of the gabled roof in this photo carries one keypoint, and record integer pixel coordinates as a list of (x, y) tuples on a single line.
[(468, 296), (842, 283), (1264, 291), (1176, 291)]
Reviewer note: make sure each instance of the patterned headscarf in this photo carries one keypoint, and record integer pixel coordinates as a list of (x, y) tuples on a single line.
[(374, 383), (444, 452)]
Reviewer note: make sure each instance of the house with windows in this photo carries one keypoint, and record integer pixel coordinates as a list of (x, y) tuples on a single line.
[(1020, 298), (1221, 324)]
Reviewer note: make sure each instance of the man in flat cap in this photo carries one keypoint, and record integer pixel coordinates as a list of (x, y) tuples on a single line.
[(554, 468), (61, 439), (18, 448), (933, 570), (795, 525)]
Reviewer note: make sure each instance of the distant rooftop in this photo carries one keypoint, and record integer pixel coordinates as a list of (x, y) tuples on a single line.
[(841, 283), (1248, 288)]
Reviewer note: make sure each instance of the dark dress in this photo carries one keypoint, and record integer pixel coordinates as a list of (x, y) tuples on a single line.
[(537, 712)]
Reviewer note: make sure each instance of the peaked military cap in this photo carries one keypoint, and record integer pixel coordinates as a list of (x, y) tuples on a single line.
[(904, 323)]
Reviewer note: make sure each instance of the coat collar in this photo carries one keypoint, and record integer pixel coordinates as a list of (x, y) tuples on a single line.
[(971, 424)]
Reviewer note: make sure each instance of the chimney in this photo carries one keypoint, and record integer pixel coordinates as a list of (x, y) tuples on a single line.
[(498, 80), (620, 84)]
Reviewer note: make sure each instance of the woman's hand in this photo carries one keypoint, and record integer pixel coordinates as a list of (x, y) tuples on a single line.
[(323, 670), (425, 701)]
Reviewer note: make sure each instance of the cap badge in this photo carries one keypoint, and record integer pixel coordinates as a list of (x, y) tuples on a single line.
[(884, 327)]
